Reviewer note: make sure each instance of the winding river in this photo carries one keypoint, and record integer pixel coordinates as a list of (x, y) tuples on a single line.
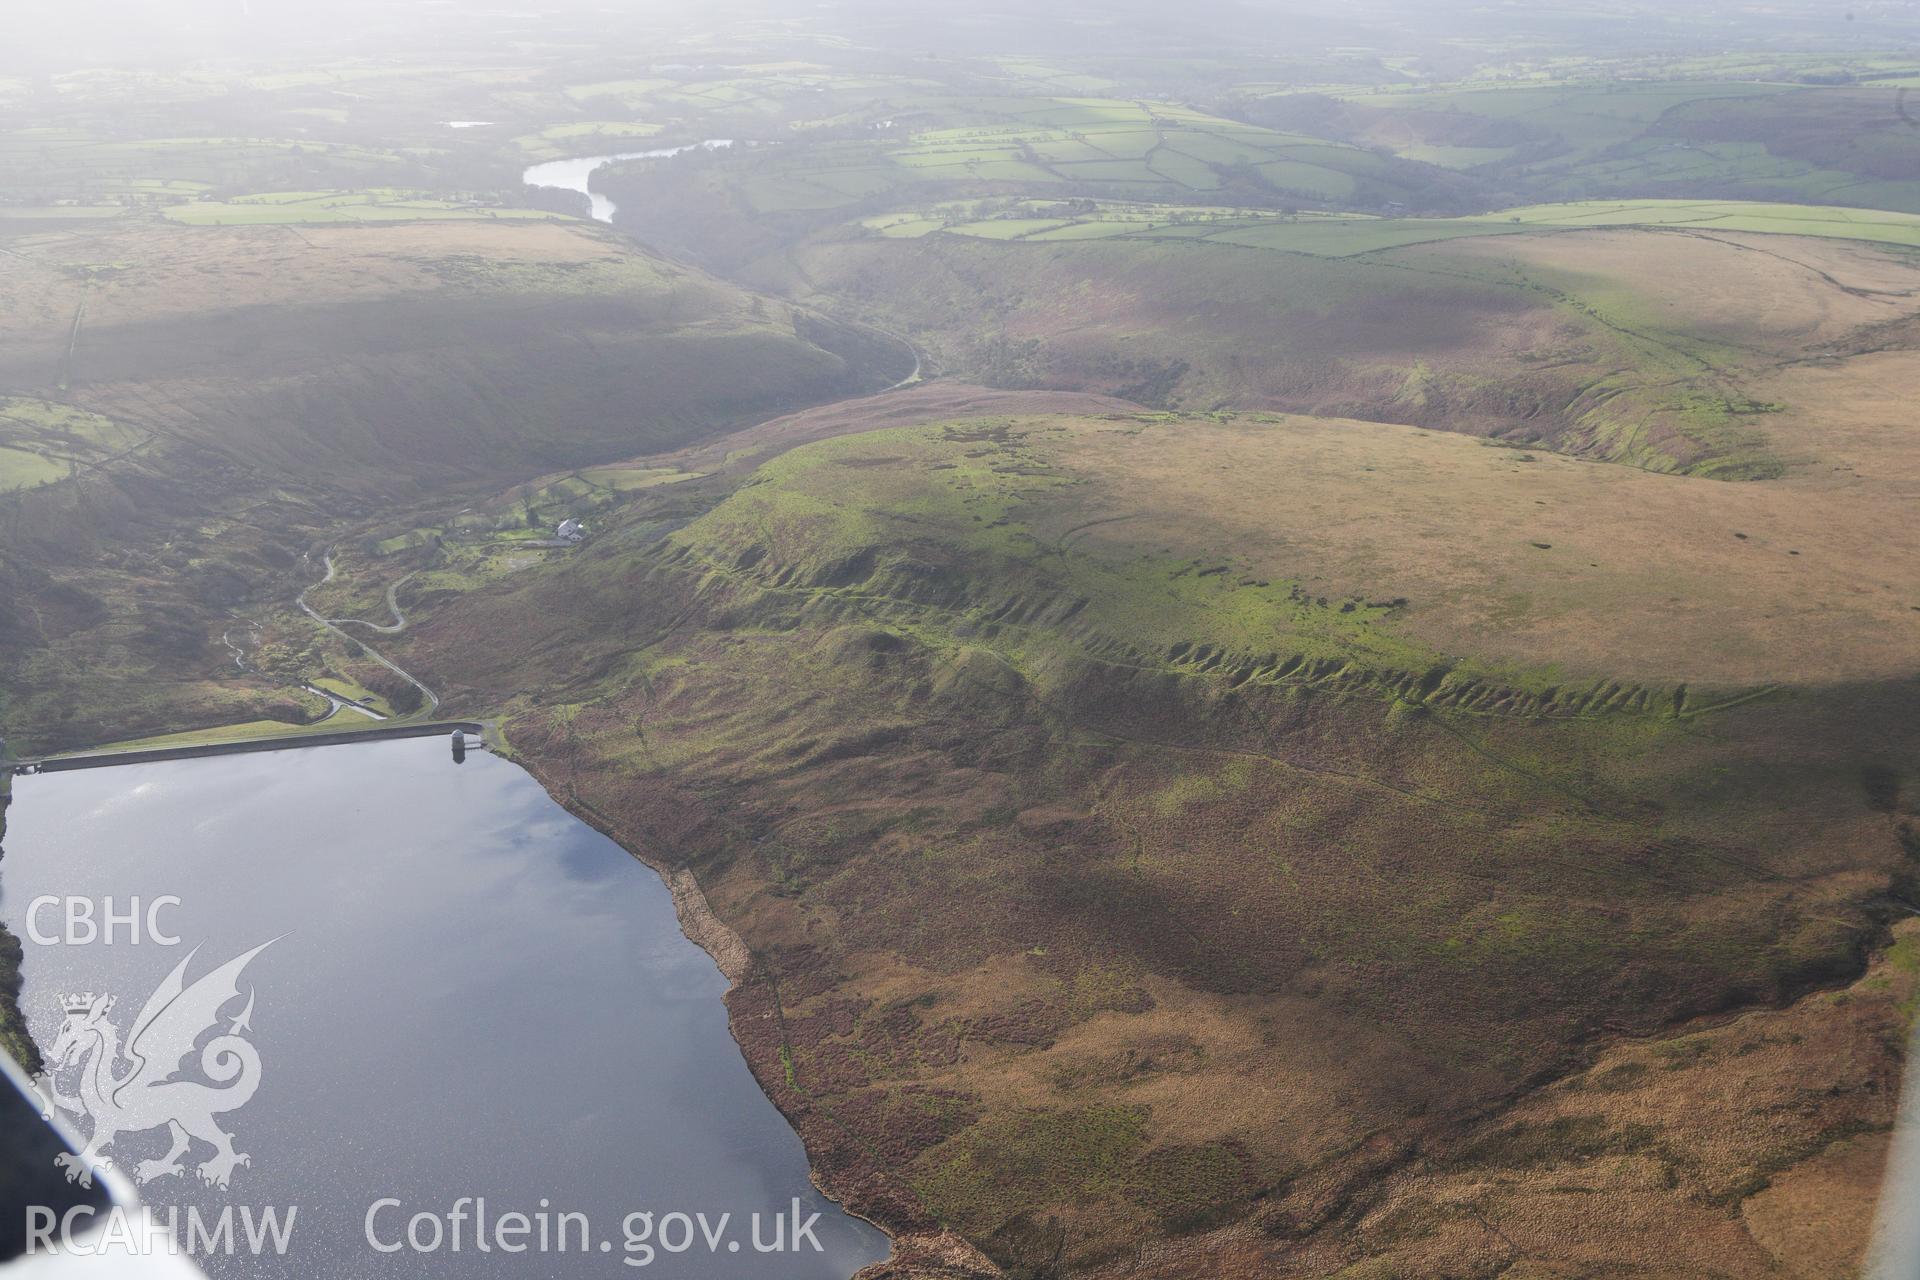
[(473, 1006), (573, 174)]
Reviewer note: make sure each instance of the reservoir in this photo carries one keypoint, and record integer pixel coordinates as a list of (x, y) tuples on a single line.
[(573, 174), (468, 995)]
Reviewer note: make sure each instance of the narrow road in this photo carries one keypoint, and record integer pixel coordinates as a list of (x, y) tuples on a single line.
[(433, 699), (399, 622), (335, 702)]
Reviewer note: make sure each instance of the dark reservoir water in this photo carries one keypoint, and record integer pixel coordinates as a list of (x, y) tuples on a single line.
[(472, 995)]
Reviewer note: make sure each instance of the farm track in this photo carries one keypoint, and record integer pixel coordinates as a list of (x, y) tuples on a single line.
[(1857, 291), (1060, 543)]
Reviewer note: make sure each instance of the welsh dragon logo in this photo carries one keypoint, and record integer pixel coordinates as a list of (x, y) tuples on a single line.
[(151, 1092)]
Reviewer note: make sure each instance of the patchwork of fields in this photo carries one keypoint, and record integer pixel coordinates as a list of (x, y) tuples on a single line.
[(1343, 235), (337, 206), (1077, 146), (41, 166)]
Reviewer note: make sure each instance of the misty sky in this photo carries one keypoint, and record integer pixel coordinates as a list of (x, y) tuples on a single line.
[(42, 34)]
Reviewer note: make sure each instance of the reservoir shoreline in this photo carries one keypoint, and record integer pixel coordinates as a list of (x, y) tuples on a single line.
[(694, 914), (943, 1252)]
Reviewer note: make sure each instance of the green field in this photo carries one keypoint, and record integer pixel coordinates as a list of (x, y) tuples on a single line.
[(1724, 215), (42, 442), (584, 136), (58, 212), (43, 165), (354, 691), (338, 206), (630, 479), (1339, 236), (749, 92), (239, 733)]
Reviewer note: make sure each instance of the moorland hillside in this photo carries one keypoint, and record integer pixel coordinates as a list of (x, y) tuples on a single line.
[(1129, 877), (186, 408), (1631, 345)]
